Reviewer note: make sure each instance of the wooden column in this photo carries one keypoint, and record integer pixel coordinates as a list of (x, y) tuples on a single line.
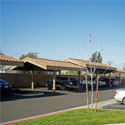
[(97, 86), (32, 86), (120, 79), (87, 94), (109, 79), (60, 74), (79, 73), (54, 81)]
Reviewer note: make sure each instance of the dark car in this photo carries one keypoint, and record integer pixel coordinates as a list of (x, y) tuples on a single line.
[(63, 83), (5, 86)]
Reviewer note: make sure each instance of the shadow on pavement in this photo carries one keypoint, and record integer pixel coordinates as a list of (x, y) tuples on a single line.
[(18, 94), (116, 106)]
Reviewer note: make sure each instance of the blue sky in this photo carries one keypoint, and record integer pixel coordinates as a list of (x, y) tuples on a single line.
[(59, 29)]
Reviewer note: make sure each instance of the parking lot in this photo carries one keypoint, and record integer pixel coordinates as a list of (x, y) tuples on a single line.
[(25, 103)]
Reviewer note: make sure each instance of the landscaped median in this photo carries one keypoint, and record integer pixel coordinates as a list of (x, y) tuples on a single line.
[(80, 117)]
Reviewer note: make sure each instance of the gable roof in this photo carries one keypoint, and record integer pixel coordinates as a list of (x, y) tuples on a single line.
[(7, 60), (48, 64), (86, 63)]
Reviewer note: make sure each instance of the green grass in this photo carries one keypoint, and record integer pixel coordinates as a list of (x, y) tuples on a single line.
[(80, 117)]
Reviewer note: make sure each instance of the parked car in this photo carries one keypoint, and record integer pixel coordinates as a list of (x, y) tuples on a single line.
[(120, 95), (5, 86), (115, 82), (102, 82), (83, 83), (63, 83)]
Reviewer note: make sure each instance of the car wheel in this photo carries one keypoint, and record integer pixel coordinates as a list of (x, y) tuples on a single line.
[(63, 87), (123, 100)]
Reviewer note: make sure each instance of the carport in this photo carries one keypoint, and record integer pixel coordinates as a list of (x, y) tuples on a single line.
[(91, 68), (99, 68), (40, 64)]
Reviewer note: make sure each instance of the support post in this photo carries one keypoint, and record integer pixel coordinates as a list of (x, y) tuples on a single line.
[(54, 81), (120, 79), (60, 74), (79, 86), (97, 86), (109, 79), (32, 81), (87, 95)]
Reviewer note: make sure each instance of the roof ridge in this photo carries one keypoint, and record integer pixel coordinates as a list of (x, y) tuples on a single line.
[(47, 59)]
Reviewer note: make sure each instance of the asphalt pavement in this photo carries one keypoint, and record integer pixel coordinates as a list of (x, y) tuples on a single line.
[(25, 103)]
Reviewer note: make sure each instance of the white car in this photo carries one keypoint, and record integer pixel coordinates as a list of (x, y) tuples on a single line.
[(120, 95)]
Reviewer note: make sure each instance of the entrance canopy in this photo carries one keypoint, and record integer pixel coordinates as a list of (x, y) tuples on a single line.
[(47, 64), (7, 60), (102, 68)]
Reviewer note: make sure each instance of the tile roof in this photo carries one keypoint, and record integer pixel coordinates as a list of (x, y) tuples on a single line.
[(4, 59), (52, 64), (85, 63)]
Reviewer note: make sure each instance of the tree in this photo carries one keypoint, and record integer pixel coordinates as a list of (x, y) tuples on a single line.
[(30, 54), (99, 57), (96, 57)]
